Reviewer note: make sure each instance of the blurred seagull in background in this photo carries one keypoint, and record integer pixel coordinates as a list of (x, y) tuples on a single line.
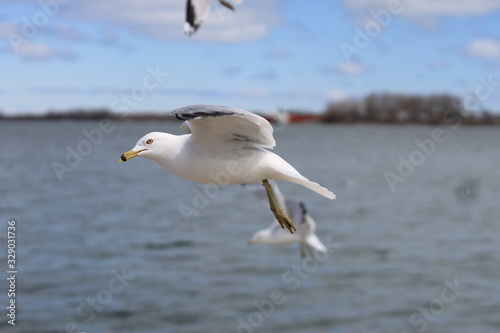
[(197, 11), (222, 146), (296, 210)]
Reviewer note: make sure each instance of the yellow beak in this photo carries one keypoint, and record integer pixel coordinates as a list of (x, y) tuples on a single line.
[(129, 155)]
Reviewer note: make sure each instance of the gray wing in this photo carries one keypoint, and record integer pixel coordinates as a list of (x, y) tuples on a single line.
[(298, 213), (216, 125), (306, 227)]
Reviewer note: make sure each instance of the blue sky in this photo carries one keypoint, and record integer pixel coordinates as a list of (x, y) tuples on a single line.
[(67, 54)]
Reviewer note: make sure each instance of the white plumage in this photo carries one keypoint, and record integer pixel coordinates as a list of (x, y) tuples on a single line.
[(223, 145)]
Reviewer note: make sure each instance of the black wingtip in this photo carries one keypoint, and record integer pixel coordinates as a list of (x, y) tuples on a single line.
[(304, 211), (186, 115)]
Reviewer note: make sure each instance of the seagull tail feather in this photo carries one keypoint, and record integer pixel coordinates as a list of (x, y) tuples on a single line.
[(285, 171), (313, 187)]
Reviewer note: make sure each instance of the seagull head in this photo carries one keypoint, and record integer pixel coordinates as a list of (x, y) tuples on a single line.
[(149, 146)]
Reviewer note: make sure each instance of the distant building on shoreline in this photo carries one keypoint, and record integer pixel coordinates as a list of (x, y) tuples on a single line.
[(378, 108)]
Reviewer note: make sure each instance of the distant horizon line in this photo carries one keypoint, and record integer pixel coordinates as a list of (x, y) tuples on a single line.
[(292, 116)]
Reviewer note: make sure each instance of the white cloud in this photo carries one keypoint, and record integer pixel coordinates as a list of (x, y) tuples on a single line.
[(164, 19), (28, 49), (266, 75), (437, 64), (451, 7), (226, 33), (428, 7), (38, 51), (484, 48), (335, 95), (108, 35), (276, 52), (349, 68), (64, 32), (6, 28), (423, 12), (35, 51), (232, 70)]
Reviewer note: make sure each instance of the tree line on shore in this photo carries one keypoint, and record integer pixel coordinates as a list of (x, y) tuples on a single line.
[(385, 108), (401, 108)]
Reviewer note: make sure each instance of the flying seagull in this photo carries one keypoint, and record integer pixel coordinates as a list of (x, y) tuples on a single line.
[(222, 146), (197, 11), (297, 211)]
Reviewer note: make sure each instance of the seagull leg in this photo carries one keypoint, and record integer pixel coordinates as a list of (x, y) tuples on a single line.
[(280, 215), (302, 252)]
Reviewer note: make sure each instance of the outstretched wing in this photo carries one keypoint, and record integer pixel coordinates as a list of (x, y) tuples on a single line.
[(306, 225), (298, 213), (215, 125), (196, 12)]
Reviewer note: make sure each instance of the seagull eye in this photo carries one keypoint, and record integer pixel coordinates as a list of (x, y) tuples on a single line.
[(150, 141)]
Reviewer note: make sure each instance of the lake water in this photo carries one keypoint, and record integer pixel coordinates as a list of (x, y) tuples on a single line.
[(104, 246)]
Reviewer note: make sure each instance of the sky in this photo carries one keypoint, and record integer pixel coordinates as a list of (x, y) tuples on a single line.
[(131, 55)]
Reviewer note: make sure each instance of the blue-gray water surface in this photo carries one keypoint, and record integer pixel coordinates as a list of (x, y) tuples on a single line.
[(102, 246)]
